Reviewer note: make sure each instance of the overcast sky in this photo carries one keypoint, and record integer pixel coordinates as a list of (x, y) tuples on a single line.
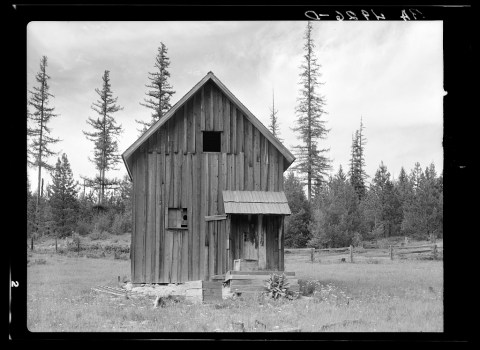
[(388, 72)]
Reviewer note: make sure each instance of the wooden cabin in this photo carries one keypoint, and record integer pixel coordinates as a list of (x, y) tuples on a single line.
[(207, 190)]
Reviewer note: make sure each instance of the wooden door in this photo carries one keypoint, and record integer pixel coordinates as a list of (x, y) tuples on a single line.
[(272, 226), (244, 237)]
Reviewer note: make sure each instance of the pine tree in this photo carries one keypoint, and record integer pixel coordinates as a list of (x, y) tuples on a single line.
[(160, 89), (357, 172), (297, 231), (63, 198), (424, 212), (104, 136), (312, 163), (274, 126), (37, 129), (337, 218), (384, 204)]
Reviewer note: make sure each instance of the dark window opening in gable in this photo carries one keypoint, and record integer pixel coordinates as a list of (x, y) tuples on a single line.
[(212, 141)]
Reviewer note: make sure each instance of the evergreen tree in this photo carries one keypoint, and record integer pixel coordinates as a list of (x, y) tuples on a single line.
[(357, 172), (337, 218), (104, 137), (312, 163), (63, 198), (160, 89), (404, 189), (38, 132), (30, 210), (273, 126), (384, 204), (297, 224), (424, 212)]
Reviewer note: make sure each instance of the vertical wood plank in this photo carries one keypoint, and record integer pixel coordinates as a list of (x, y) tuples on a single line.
[(184, 183), (176, 180), (196, 204), (240, 131), (249, 155), (150, 219), (222, 181), (190, 198), (275, 170), (227, 125), (167, 137), (282, 240), (134, 214), (167, 258), (168, 182), (186, 127), (203, 211), (198, 112), (271, 169), (263, 163), (193, 115), (228, 242), (185, 257), (174, 265), (214, 158), (141, 215), (233, 128), (175, 133), (256, 159), (158, 216), (262, 251), (220, 110), (280, 172), (275, 242), (241, 171), (202, 109), (211, 104), (152, 142)]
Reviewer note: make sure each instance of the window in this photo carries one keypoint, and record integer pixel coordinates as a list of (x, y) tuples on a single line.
[(211, 141), (177, 218)]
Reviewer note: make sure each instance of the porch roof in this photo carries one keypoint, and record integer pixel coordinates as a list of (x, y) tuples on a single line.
[(255, 202)]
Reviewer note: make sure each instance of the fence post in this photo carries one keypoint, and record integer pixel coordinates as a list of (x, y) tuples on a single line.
[(31, 244), (434, 251), (351, 254), (312, 257), (391, 253), (78, 246)]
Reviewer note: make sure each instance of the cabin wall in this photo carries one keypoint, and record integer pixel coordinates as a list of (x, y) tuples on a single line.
[(171, 171)]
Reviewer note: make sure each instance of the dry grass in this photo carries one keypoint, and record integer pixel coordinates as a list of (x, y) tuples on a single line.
[(398, 296)]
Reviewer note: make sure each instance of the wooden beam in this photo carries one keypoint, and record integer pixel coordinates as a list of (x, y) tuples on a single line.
[(215, 217)]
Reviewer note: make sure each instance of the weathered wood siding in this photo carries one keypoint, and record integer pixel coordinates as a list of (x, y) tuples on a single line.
[(172, 171)]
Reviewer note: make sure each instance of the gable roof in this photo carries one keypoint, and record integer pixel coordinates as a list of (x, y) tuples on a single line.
[(126, 156)]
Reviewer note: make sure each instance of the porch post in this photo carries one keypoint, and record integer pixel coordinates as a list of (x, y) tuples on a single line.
[(262, 246)]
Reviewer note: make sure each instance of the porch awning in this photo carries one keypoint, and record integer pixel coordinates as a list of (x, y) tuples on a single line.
[(255, 202)]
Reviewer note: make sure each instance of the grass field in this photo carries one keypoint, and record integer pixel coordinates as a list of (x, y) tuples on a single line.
[(387, 296)]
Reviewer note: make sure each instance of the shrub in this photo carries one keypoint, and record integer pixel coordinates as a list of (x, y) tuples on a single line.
[(84, 228), (102, 222), (96, 235), (122, 223), (357, 239), (277, 287)]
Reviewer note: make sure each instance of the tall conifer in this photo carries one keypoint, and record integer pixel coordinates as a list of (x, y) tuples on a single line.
[(104, 137), (312, 163), (158, 97)]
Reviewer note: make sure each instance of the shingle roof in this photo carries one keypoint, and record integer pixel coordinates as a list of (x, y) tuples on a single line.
[(255, 202)]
